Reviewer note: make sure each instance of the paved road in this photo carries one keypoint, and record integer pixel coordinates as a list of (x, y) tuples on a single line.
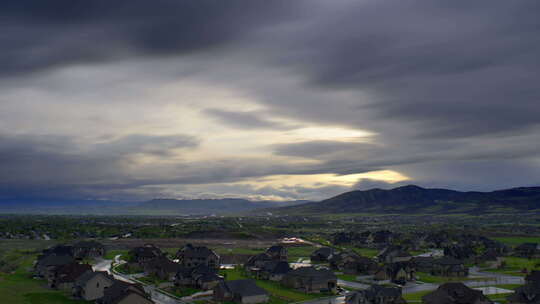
[(497, 278), (157, 297), (331, 300), (494, 279), (354, 285)]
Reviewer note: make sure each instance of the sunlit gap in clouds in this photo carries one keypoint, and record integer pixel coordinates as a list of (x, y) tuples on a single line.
[(317, 180)]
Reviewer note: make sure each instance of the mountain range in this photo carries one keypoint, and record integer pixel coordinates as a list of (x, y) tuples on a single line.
[(152, 207), (402, 200), (210, 206), (417, 200)]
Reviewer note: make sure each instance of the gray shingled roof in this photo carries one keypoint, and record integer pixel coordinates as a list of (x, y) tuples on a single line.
[(244, 288), (196, 251), (275, 248), (56, 260), (87, 276), (458, 293), (120, 289), (313, 272)]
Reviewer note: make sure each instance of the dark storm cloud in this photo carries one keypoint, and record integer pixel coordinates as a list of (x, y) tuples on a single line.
[(454, 70), (315, 149), (60, 167), (247, 120), (452, 87), (39, 35), (54, 160), (147, 144)]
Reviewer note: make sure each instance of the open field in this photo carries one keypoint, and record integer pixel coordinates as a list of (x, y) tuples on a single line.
[(515, 266), (517, 240), (18, 286)]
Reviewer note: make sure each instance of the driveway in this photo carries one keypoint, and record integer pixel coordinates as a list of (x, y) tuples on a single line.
[(493, 279), (158, 297)]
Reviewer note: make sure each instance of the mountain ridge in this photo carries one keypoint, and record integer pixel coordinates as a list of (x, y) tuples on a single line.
[(415, 199), (410, 199)]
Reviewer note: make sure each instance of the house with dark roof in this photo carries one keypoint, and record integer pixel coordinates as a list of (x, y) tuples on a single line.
[(46, 264), (533, 277), (258, 260), (200, 277), (491, 258), (64, 277), (273, 270), (392, 254), (399, 273), (60, 249), (381, 238), (311, 280), (191, 256), (277, 252), (121, 292), (491, 245), (341, 238), (449, 267), (526, 294), (455, 293), (376, 294), (144, 254), (321, 254), (338, 260), (88, 249), (240, 291), (161, 267), (528, 250), (460, 252), (423, 264), (359, 265), (91, 285)]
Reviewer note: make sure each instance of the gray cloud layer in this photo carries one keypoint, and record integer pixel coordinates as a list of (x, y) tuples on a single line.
[(450, 88), (248, 120)]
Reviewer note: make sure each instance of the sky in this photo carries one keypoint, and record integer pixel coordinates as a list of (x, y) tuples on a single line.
[(130, 100)]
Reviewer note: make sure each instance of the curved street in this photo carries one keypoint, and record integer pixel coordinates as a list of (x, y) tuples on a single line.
[(157, 297), (493, 279)]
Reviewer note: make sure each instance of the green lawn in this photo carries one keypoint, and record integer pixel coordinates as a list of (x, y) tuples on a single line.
[(109, 255), (152, 280), (182, 291), (368, 252), (126, 269), (279, 294), (428, 278), (347, 277), (517, 240), (296, 252), (18, 287), (515, 265), (508, 286), (415, 297)]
